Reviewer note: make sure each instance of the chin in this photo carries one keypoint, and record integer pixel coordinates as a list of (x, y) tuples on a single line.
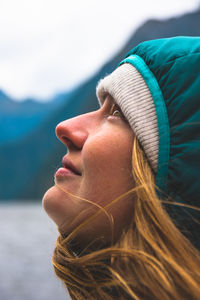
[(58, 207), (50, 200)]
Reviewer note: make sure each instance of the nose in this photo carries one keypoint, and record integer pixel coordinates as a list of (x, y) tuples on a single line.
[(74, 132)]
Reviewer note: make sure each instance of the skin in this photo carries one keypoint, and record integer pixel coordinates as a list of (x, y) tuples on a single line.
[(99, 145)]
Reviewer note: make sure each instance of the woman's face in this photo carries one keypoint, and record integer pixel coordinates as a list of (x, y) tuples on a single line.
[(99, 146)]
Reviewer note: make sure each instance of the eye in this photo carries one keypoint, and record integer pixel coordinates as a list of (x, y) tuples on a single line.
[(115, 111)]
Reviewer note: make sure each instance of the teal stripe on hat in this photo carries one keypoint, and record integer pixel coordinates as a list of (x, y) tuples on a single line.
[(162, 118)]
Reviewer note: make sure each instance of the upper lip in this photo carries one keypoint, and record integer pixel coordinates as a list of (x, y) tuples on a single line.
[(69, 165)]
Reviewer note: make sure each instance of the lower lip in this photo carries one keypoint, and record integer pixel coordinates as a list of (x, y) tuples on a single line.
[(63, 172)]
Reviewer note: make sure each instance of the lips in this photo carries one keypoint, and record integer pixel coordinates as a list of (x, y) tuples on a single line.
[(67, 164)]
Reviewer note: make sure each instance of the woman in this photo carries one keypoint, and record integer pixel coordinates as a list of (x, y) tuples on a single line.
[(126, 201)]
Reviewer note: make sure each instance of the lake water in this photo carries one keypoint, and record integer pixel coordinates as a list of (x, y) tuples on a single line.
[(27, 241)]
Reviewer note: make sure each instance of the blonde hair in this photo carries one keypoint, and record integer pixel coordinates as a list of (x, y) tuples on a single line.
[(151, 260)]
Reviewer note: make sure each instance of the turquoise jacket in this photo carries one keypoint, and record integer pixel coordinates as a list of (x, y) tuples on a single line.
[(171, 69)]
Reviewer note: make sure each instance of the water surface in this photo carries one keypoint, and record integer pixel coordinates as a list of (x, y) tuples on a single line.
[(27, 241)]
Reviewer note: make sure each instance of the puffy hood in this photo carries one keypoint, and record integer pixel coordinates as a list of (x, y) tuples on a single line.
[(171, 71)]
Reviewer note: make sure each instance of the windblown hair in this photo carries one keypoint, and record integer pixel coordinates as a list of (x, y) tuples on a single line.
[(152, 260)]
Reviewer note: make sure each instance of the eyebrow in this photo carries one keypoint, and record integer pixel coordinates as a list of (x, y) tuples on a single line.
[(110, 99)]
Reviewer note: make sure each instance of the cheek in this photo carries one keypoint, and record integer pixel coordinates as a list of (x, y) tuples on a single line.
[(107, 164)]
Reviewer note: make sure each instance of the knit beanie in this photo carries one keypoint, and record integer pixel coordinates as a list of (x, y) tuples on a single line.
[(131, 93), (157, 87)]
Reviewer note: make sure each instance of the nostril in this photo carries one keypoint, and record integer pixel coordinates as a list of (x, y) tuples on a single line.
[(65, 139), (69, 143)]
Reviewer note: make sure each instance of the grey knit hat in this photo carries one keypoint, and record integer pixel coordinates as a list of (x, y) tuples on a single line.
[(131, 93)]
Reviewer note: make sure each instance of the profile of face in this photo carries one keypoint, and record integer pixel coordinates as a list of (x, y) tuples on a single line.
[(98, 168)]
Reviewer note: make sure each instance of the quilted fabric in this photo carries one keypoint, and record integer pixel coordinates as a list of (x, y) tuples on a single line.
[(171, 69)]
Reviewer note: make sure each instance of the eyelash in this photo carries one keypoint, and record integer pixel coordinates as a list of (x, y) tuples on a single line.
[(116, 108)]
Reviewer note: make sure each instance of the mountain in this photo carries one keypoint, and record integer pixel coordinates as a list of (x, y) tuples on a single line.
[(19, 118), (28, 164)]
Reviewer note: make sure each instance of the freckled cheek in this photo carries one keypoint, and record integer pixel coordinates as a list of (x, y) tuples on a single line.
[(97, 175), (100, 158), (107, 171)]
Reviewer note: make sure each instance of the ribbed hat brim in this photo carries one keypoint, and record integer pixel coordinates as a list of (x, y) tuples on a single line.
[(131, 93)]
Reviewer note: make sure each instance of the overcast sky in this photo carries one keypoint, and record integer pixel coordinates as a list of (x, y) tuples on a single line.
[(48, 46)]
